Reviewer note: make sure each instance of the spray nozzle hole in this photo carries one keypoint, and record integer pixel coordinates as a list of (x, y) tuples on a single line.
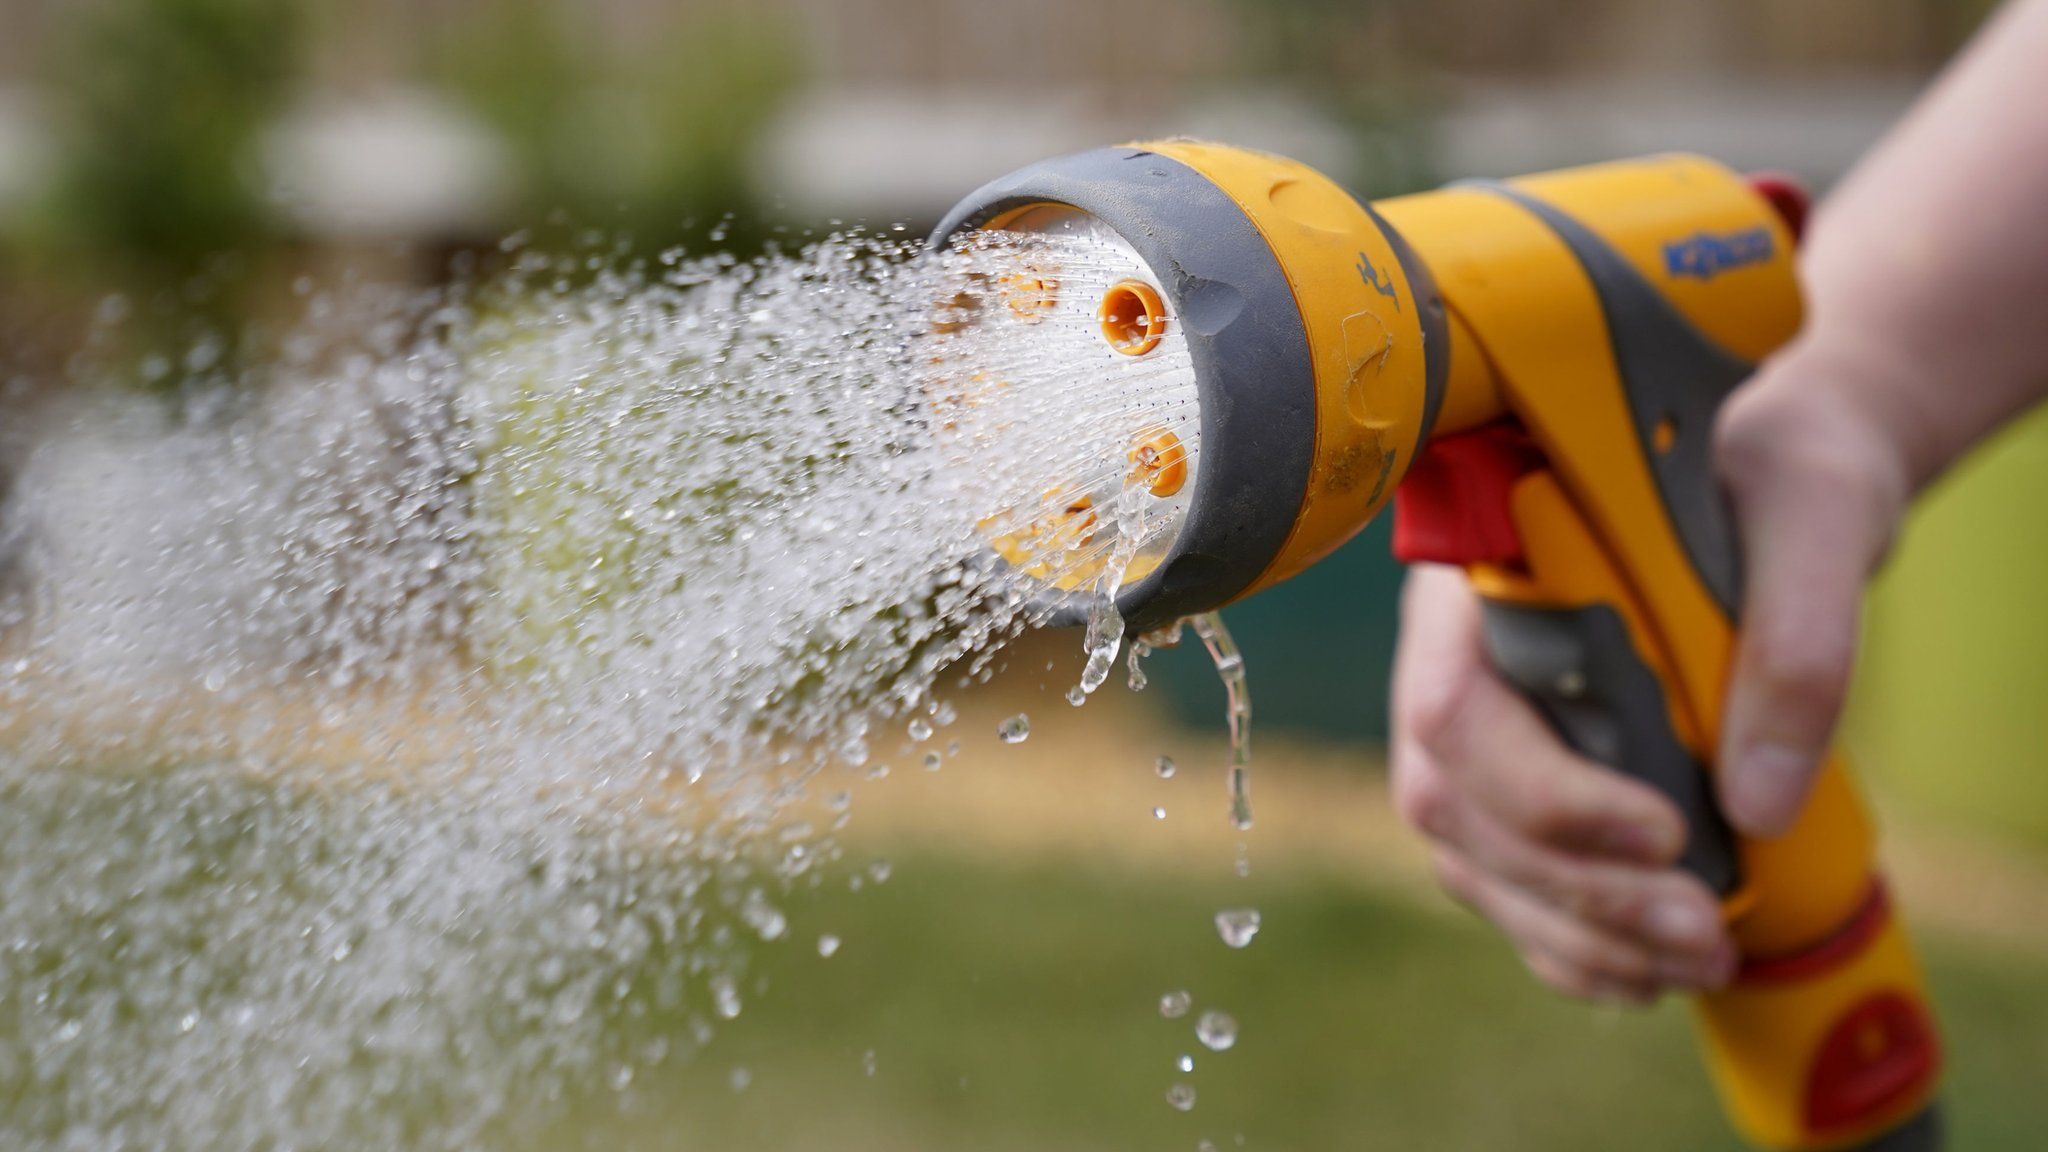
[(1133, 317)]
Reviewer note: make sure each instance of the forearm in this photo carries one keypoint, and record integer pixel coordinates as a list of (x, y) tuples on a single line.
[(1928, 269)]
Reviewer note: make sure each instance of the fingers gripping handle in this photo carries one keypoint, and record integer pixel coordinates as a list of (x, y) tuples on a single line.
[(1579, 668), (1825, 1041)]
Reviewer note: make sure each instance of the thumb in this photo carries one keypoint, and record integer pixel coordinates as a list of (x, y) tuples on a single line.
[(1818, 495)]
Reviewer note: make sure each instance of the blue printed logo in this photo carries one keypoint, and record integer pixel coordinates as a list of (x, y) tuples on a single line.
[(1708, 254)]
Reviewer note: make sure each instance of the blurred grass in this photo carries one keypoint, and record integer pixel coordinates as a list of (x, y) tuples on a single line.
[(1015, 1007), (1949, 693), (1008, 974)]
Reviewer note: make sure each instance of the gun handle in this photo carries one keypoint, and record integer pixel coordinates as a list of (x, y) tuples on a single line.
[(1825, 1040)]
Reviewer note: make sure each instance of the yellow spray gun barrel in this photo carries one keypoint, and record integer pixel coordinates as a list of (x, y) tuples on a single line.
[(1534, 365)]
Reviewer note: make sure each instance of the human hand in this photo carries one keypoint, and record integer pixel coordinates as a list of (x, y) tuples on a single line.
[(1574, 861)]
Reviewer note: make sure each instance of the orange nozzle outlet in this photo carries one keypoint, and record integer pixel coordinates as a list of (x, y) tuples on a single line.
[(1161, 461), (954, 312), (1133, 317), (1030, 295)]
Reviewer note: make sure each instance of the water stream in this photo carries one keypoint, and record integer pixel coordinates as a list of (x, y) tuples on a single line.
[(399, 716)]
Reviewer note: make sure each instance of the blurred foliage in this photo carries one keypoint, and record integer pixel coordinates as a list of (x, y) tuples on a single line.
[(160, 103), (1348, 57), (653, 141), (158, 108)]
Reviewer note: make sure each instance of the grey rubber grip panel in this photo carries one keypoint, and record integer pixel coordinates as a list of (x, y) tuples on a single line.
[(1253, 370), (1436, 338), (1927, 1132), (1580, 670), (1671, 372)]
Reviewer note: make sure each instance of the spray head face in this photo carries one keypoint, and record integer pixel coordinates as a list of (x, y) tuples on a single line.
[(1232, 290), (1103, 469)]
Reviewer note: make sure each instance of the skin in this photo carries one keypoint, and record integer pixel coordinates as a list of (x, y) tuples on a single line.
[(1927, 280)]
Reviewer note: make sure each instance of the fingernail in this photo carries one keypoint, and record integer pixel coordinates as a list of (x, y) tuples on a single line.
[(1771, 781), (1679, 923)]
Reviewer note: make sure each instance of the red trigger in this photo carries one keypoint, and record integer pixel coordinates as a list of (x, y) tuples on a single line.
[(1453, 506)]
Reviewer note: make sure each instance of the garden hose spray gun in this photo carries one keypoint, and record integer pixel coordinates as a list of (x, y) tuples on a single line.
[(1531, 370)]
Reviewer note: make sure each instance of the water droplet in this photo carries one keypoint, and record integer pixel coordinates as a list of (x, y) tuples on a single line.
[(1165, 767), (880, 871), (1182, 1097), (767, 921), (1175, 1005), (920, 729), (1216, 1030), (725, 996), (1237, 926), (1205, 1146), (932, 761), (867, 1062), (1076, 697), (827, 945), (741, 1079), (1186, 1063), (1015, 729), (1158, 813)]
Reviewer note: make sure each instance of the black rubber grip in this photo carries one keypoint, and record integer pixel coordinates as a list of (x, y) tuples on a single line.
[(1580, 670)]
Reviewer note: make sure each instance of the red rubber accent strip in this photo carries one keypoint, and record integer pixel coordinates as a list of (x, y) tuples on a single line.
[(1844, 945), (1788, 196)]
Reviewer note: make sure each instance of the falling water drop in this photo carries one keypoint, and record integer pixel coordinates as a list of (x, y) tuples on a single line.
[(1165, 767), (1182, 1097), (1015, 729), (1216, 1030), (827, 945), (725, 997), (1237, 926), (1175, 1005)]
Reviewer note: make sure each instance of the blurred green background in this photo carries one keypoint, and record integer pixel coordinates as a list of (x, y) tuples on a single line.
[(192, 158)]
